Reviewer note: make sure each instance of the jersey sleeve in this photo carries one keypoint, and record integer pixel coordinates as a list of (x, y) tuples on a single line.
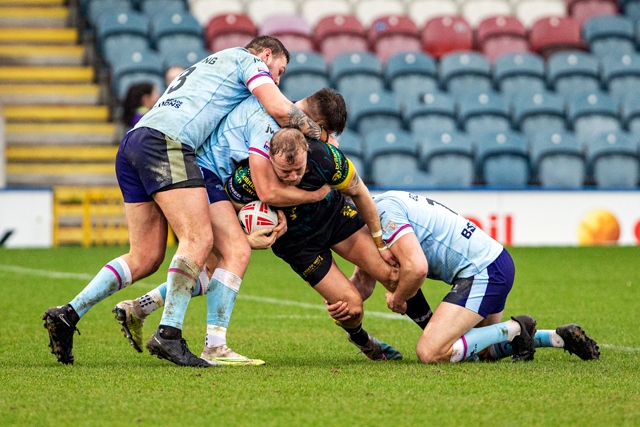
[(259, 131), (254, 72), (337, 169), (240, 186), (393, 220)]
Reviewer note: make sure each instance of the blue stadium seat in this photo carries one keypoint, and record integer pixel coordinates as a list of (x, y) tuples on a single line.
[(558, 160), (139, 66), (176, 31), (392, 157), (621, 73), (591, 113), (408, 74), (432, 112), (95, 8), (151, 7), (352, 146), (533, 111), (607, 34), (119, 32), (631, 8), (306, 73), (483, 112), (573, 71), (465, 72), (613, 160), (357, 72), (447, 157), (183, 58), (502, 159), (373, 111), (514, 72), (630, 111)]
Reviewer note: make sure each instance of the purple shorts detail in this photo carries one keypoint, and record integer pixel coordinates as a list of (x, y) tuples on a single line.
[(486, 292), (215, 187), (148, 162)]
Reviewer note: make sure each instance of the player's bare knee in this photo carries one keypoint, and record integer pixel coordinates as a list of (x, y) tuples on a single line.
[(431, 355)]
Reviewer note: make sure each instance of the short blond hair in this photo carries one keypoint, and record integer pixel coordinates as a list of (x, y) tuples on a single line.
[(288, 142)]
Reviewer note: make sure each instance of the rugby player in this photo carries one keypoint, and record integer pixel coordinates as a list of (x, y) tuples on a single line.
[(161, 183)]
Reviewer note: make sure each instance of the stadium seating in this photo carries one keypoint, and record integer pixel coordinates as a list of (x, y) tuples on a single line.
[(373, 111), (582, 10), (609, 34), (351, 145), (573, 71), (550, 35), (183, 58), (621, 73), (432, 112), (339, 34), (368, 11), (408, 74), (315, 10), (517, 72), (483, 112), (291, 29), (259, 10), (139, 66), (499, 35), (392, 157), (95, 8), (591, 113), (530, 11), (394, 34), (151, 7), (630, 112), (229, 30), (557, 159), (465, 72), (631, 9), (422, 11), (205, 10), (447, 157), (446, 34), (502, 159), (533, 111), (353, 73), (121, 31), (175, 30), (306, 73), (613, 160), (474, 11)]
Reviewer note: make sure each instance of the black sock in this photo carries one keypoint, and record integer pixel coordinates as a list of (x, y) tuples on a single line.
[(169, 332), (358, 335), (72, 315), (418, 309)]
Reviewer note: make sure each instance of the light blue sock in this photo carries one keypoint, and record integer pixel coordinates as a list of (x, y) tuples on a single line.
[(542, 338), (110, 279), (478, 339), (154, 299), (197, 289), (221, 297), (181, 280)]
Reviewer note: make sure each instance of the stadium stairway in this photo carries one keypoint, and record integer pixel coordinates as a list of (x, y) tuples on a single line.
[(58, 126)]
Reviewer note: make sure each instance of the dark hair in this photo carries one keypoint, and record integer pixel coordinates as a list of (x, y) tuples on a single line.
[(133, 100), (260, 43), (288, 142), (327, 108)]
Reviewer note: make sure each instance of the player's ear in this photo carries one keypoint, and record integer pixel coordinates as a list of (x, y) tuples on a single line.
[(266, 55)]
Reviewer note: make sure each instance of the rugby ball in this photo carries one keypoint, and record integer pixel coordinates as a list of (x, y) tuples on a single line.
[(256, 216)]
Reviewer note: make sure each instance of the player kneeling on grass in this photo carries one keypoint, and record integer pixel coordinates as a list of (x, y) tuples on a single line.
[(429, 240)]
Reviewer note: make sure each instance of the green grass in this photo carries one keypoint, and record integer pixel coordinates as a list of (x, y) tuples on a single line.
[(313, 376)]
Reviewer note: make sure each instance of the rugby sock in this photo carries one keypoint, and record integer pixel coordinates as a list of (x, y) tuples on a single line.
[(154, 299), (181, 279), (221, 297), (110, 279), (478, 339), (418, 309), (542, 338), (358, 335)]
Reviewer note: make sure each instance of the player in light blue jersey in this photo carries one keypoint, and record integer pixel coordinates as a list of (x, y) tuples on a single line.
[(430, 240), (162, 184)]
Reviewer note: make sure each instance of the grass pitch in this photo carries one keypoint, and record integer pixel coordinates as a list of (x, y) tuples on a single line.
[(313, 376)]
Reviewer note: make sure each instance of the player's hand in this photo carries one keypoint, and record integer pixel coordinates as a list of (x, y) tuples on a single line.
[(338, 310), (388, 257), (395, 306), (282, 227), (333, 141), (262, 239)]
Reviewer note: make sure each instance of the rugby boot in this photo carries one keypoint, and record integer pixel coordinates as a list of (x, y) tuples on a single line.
[(523, 348), (577, 342), (378, 350), (131, 324), (223, 355), (57, 321), (175, 351)]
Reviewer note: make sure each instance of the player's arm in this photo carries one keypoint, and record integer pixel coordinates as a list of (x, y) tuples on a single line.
[(274, 192), (413, 271), (288, 115)]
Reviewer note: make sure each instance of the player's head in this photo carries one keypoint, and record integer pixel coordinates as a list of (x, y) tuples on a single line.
[(272, 52), (288, 152), (327, 108)]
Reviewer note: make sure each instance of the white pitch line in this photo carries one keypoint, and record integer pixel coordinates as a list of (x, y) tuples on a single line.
[(620, 348)]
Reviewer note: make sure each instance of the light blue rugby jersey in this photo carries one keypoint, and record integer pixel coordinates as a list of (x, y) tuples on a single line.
[(197, 100), (453, 245), (248, 128)]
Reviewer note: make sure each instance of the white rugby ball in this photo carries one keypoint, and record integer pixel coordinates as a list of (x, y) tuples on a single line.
[(256, 216)]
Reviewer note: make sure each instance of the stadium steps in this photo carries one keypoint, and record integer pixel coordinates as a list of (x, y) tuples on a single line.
[(38, 173), (41, 55), (56, 113), (16, 94), (60, 133), (47, 75)]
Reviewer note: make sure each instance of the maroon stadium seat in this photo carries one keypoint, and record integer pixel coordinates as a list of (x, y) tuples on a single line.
[(581, 10), (394, 34), (501, 34), (446, 34), (338, 34), (552, 34), (292, 30), (229, 30)]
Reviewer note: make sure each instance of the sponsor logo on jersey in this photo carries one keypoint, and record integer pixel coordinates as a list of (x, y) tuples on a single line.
[(389, 226), (314, 266), (171, 102)]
